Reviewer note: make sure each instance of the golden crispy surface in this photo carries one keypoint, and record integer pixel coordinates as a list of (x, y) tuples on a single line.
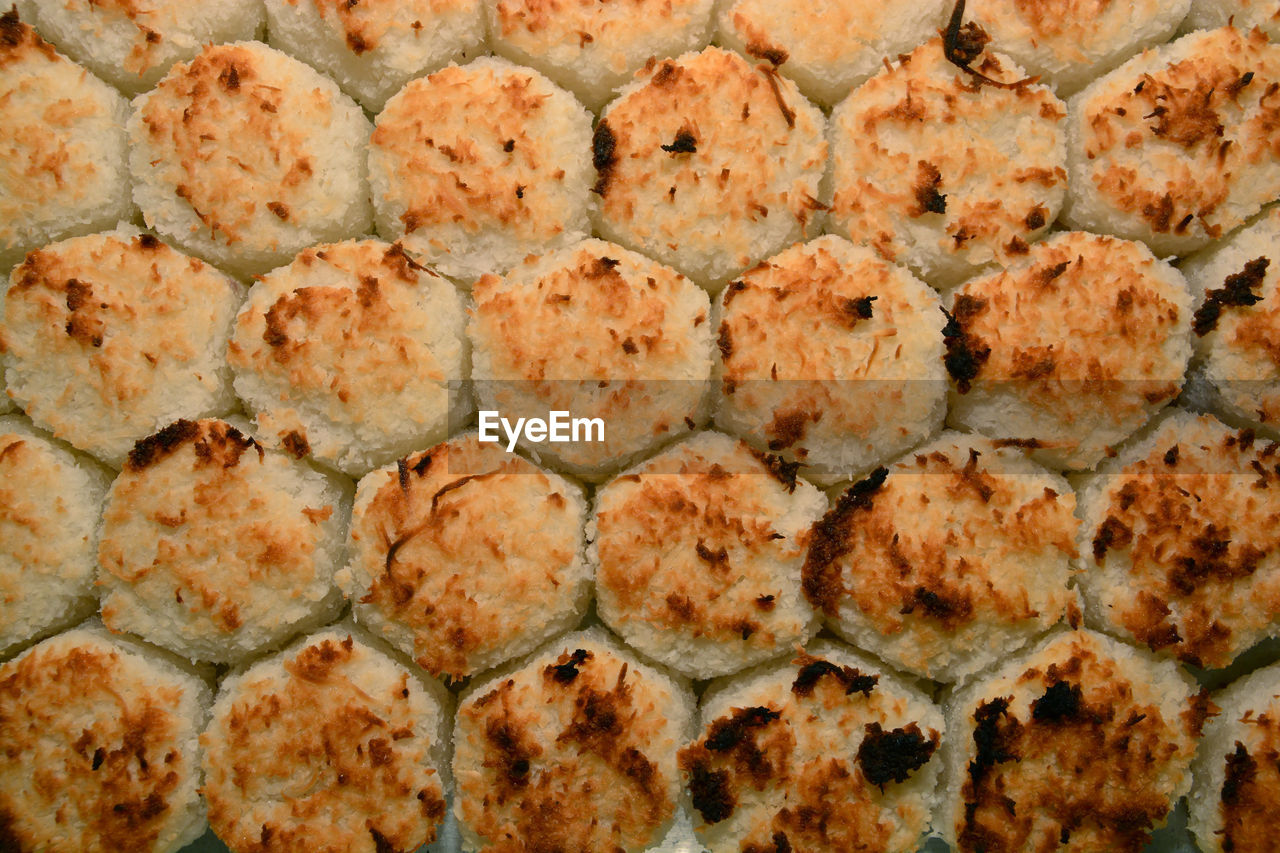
[(97, 749), (575, 752), (815, 753), (234, 132), (211, 536), (703, 542), (56, 121), (366, 24), (934, 170), (1186, 147), (1182, 550), (1074, 752), (959, 542), (111, 333), (325, 749), (708, 163), (467, 548)]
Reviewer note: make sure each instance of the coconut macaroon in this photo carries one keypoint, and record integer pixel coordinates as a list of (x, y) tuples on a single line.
[(1177, 146), (948, 561), (1245, 14), (709, 164), (573, 750), (698, 553), (215, 548), (1237, 771), (633, 370), (1180, 543), (828, 751), (1068, 43), (50, 499), (465, 556), (476, 166), (798, 38), (63, 149), (101, 747), (110, 337), (245, 155), (1071, 350), (328, 746), (831, 357), (132, 44), (374, 47), (351, 407), (1082, 743), (1236, 284), (591, 49), (948, 168)]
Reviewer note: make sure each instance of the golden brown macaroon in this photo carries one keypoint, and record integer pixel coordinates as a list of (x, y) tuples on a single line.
[(1081, 744), (602, 333), (111, 337), (215, 547), (464, 556), (244, 156), (573, 750), (329, 746), (1069, 351), (825, 751), (1179, 145), (63, 150), (830, 357), (100, 751), (940, 170), (474, 167), (353, 354), (708, 163), (948, 561), (1180, 543), (697, 554)]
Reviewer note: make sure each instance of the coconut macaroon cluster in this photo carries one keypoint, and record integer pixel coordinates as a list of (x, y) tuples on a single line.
[(465, 556), (638, 361), (1180, 544), (1236, 323), (697, 555), (100, 747), (215, 548), (1237, 771), (948, 561), (573, 750), (474, 167), (1069, 351), (351, 407), (329, 746), (50, 499), (1177, 146), (797, 38), (591, 49), (827, 751), (830, 357), (226, 160), (373, 47), (109, 337), (63, 154), (709, 164), (1069, 43), (948, 168), (132, 44), (1082, 743)]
